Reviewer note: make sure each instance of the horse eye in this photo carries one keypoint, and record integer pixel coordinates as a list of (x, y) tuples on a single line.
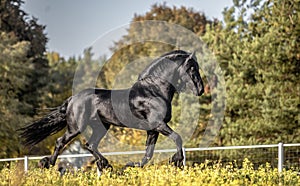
[(192, 68)]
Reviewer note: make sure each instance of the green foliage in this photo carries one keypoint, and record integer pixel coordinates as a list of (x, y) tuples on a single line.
[(15, 21), (260, 56), (60, 80), (22, 72), (17, 24), (12, 81)]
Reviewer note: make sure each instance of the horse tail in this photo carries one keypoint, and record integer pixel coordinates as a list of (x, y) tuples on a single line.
[(37, 131)]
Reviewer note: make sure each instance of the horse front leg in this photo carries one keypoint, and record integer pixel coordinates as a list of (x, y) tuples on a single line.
[(150, 145), (101, 161), (177, 158)]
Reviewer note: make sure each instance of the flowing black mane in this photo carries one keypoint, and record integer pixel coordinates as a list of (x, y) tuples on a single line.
[(163, 62)]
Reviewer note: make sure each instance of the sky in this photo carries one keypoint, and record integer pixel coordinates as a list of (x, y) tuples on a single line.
[(74, 25)]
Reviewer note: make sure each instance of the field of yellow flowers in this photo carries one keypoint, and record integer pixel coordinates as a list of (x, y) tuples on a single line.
[(156, 175)]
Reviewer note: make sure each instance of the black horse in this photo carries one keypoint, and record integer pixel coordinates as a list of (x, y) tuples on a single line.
[(145, 106)]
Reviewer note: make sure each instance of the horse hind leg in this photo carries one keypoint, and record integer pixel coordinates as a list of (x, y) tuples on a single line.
[(98, 132), (71, 132), (60, 144)]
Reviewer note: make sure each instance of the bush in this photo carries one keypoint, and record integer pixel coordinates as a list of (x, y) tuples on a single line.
[(203, 174)]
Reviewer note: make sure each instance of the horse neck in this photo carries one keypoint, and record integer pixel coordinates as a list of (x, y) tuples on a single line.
[(163, 68), (163, 76), (159, 87)]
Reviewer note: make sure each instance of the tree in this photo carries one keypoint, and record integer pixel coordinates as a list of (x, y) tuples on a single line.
[(16, 22), (23, 72), (260, 54), (12, 76), (130, 49)]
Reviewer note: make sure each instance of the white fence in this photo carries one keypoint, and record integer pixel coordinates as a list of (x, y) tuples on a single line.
[(277, 153)]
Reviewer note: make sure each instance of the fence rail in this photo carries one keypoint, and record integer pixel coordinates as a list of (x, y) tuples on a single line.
[(281, 149)]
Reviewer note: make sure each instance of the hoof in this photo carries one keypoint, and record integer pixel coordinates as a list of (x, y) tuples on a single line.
[(44, 163), (133, 164), (177, 160), (177, 163), (64, 167), (103, 164)]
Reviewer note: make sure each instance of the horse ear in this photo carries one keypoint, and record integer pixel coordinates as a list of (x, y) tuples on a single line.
[(193, 55)]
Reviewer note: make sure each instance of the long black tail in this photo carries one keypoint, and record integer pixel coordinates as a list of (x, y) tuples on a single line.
[(49, 125)]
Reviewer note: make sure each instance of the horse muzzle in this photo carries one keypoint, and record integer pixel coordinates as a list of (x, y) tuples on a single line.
[(198, 89)]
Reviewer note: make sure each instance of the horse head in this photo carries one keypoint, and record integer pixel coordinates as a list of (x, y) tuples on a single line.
[(189, 78), (178, 67)]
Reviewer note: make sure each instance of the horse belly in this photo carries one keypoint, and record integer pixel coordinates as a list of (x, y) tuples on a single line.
[(115, 109), (122, 117), (105, 113)]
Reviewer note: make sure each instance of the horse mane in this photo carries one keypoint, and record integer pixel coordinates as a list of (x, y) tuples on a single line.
[(161, 62)]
